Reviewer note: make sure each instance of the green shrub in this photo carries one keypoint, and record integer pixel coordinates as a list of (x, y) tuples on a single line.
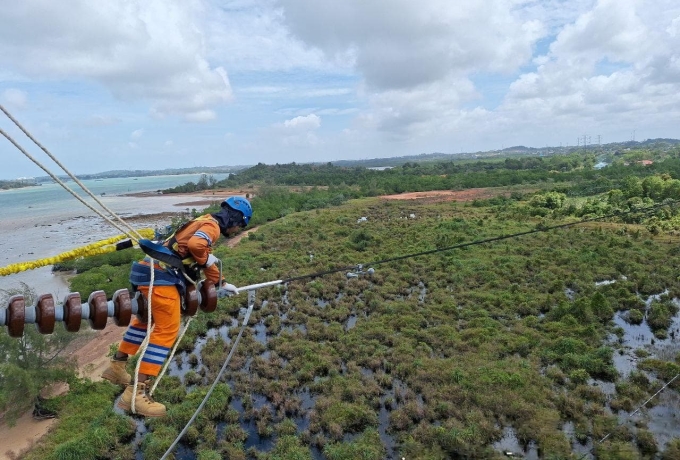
[(367, 446)]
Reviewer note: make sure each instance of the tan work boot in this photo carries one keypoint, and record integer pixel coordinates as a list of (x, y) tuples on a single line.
[(116, 373), (144, 405)]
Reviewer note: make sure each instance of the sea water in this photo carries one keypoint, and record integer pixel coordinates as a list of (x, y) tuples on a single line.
[(43, 221), (52, 199)]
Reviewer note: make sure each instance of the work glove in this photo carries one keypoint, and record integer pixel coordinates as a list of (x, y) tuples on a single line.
[(230, 288), (211, 261)]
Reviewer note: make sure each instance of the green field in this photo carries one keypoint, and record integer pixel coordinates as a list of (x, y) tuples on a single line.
[(445, 355)]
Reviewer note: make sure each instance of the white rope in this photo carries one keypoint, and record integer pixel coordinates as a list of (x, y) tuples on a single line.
[(179, 338), (71, 175), (632, 413), (133, 234), (251, 304), (172, 355), (145, 343)]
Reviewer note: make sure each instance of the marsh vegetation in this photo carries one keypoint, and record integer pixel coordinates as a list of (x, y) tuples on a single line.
[(445, 355)]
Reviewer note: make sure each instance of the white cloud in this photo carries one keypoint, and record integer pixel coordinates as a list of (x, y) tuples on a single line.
[(297, 132), (136, 134), (15, 98), (336, 111), (323, 92), (386, 78), (606, 61), (305, 140), (251, 36), (674, 29), (261, 89), (417, 111), (612, 29), (139, 49), (416, 59), (307, 122), (575, 81), (408, 43)]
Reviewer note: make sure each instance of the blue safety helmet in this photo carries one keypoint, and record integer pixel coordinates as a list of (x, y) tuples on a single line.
[(239, 203)]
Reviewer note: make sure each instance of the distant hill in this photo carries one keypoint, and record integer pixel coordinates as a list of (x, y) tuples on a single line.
[(144, 173), (518, 150), (513, 151)]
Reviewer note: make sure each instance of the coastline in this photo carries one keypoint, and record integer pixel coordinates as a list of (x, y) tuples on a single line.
[(203, 197), (35, 236)]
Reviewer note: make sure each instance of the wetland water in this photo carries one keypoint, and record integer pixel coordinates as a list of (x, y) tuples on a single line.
[(662, 413), (660, 417), (186, 362)]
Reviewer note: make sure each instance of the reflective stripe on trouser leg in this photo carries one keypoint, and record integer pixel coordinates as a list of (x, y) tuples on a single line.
[(165, 308), (133, 338)]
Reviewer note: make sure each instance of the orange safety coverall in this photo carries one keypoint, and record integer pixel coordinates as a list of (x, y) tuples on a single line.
[(194, 242)]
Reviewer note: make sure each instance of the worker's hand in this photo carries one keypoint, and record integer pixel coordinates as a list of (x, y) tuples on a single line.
[(211, 261), (230, 288)]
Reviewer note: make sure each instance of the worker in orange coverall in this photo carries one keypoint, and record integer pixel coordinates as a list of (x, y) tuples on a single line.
[(192, 243)]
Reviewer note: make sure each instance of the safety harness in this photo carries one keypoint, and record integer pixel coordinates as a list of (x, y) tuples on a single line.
[(189, 265)]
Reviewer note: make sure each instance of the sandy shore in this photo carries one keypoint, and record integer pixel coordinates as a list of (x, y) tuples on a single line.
[(203, 198)]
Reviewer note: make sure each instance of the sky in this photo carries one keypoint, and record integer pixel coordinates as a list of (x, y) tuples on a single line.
[(155, 84)]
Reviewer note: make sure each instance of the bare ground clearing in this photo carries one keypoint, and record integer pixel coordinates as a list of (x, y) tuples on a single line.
[(434, 196)]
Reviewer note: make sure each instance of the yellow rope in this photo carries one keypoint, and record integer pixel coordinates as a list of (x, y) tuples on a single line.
[(99, 247)]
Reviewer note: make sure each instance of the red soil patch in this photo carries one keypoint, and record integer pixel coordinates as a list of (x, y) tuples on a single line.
[(434, 196)]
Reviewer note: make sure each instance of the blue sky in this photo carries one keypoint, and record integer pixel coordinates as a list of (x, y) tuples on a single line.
[(152, 84)]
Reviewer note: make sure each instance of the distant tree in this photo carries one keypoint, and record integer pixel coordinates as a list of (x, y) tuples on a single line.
[(615, 197), (672, 189), (550, 200), (632, 187), (653, 187)]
